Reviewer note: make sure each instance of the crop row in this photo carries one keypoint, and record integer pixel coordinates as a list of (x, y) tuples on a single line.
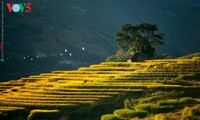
[(92, 72), (87, 75), (107, 69), (47, 98), (65, 96), (8, 108), (37, 105), (47, 101), (125, 86), (77, 90), (74, 93)]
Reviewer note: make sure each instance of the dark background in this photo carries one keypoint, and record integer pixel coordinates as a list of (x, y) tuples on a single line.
[(55, 25)]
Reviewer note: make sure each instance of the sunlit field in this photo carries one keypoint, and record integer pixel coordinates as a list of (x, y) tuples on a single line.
[(153, 89)]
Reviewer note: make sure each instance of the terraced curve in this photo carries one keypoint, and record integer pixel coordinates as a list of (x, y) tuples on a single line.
[(63, 89)]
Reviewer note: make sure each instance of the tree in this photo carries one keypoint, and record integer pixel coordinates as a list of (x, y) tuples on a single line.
[(164, 56), (141, 38)]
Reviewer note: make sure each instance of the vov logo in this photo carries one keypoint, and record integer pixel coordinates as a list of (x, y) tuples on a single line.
[(19, 7)]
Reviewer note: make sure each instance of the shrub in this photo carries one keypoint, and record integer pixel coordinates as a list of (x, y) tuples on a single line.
[(44, 114), (109, 117), (187, 114), (118, 57), (112, 58), (191, 113), (128, 103), (165, 56), (128, 114), (159, 117), (152, 108)]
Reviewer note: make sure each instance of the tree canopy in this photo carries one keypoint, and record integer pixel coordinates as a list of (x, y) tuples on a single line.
[(141, 38)]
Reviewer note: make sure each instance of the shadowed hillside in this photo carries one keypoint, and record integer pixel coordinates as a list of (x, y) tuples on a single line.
[(73, 24), (166, 85)]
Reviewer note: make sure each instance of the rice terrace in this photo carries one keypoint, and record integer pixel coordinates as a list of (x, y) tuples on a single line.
[(100, 60), (163, 89)]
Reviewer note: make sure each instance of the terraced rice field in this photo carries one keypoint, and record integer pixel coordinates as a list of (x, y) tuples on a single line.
[(88, 85)]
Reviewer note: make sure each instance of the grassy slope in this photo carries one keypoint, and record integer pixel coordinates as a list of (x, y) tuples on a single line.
[(91, 92), (190, 56)]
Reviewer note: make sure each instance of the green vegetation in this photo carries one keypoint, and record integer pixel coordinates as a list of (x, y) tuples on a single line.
[(109, 117), (164, 56), (43, 114), (178, 102), (153, 89), (137, 39), (191, 113), (128, 114)]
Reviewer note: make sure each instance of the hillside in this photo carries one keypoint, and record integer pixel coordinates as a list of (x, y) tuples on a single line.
[(190, 56), (73, 24), (147, 88)]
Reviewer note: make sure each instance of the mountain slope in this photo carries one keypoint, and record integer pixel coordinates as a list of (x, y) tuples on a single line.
[(89, 92), (190, 56), (54, 26)]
